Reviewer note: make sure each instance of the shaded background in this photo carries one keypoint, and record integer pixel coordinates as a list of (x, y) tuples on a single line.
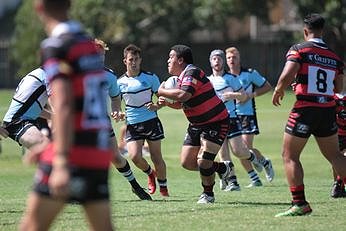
[(262, 30)]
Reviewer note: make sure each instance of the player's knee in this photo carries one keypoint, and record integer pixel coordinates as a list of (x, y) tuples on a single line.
[(189, 166), (241, 152), (136, 158)]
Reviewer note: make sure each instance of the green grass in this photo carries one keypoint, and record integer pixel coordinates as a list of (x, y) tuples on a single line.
[(249, 209)]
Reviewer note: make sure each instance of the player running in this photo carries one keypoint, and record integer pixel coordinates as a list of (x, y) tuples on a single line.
[(208, 119)]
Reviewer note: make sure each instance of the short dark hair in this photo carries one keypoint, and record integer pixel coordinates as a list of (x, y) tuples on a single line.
[(51, 6), (314, 21), (184, 52), (133, 49)]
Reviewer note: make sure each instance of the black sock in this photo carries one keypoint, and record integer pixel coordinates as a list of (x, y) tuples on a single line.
[(148, 171)]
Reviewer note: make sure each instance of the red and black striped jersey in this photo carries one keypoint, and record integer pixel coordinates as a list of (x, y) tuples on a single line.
[(340, 100), (204, 106), (319, 66), (70, 54)]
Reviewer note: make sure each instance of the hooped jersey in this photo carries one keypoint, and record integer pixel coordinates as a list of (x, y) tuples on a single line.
[(30, 97), (204, 106), (226, 83), (250, 79), (340, 100), (136, 92), (319, 66), (70, 54)]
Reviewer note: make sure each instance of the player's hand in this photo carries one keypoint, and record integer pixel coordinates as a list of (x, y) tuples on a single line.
[(32, 155), (162, 101), (277, 97), (242, 97), (3, 133), (59, 181), (175, 105), (118, 116), (152, 107)]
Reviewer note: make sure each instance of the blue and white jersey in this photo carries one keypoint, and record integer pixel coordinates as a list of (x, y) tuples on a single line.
[(249, 79), (136, 92), (223, 84), (112, 85), (30, 97)]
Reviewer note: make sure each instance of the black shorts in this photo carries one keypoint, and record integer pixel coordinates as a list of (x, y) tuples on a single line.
[(303, 122), (86, 184), (17, 128), (235, 128), (249, 124), (41, 124), (342, 142), (213, 132), (147, 130)]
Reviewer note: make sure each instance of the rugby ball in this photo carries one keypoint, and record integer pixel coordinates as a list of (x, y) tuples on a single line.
[(170, 83)]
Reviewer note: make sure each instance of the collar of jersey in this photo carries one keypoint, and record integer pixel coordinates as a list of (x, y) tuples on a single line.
[(316, 40), (66, 27)]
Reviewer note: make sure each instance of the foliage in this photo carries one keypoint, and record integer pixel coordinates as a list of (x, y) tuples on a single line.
[(138, 21), (334, 12), (27, 37)]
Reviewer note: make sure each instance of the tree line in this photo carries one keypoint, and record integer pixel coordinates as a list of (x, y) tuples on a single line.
[(145, 22)]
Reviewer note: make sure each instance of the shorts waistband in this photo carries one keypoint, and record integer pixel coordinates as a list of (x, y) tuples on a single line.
[(315, 99)]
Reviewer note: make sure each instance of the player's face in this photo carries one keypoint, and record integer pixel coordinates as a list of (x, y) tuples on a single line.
[(216, 63), (133, 62), (233, 59), (173, 64)]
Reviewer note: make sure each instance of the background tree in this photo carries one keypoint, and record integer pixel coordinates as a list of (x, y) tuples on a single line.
[(26, 40), (143, 22), (334, 12)]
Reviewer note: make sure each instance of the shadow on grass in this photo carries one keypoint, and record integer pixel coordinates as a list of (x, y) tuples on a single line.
[(11, 211), (152, 201), (257, 203)]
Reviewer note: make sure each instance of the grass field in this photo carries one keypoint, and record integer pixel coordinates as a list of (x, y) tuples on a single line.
[(249, 209)]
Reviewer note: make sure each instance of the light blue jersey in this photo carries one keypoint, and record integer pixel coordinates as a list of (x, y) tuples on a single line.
[(112, 85), (30, 97), (249, 79), (136, 92), (224, 84)]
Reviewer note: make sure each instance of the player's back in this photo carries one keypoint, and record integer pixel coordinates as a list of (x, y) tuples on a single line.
[(70, 54), (30, 97), (319, 66)]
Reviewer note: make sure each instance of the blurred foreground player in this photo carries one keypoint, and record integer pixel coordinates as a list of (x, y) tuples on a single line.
[(75, 166)]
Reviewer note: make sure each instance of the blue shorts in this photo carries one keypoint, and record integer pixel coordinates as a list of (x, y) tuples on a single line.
[(147, 130), (249, 124), (235, 128)]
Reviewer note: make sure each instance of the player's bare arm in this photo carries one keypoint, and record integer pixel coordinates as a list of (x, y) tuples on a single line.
[(62, 123), (117, 113), (286, 78), (175, 94), (3, 133)]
